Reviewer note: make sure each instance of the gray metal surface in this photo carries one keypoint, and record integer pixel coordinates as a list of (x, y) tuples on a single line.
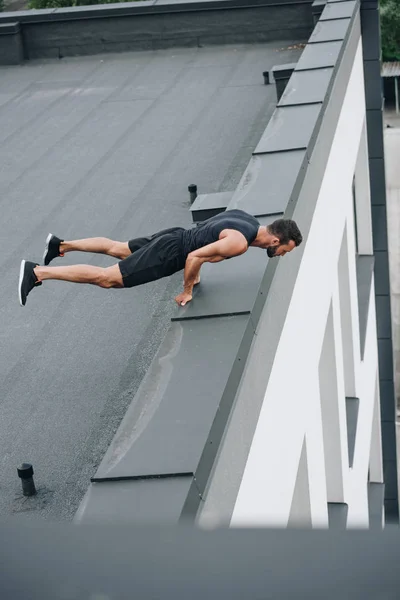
[(281, 77), (388, 410), (385, 356), (365, 268), (365, 4), (103, 146), (283, 71), (371, 38), (329, 31), (381, 273), (374, 132), (390, 476), (384, 326), (122, 562), (373, 83), (266, 186), (337, 515), (208, 205), (290, 128), (316, 8), (316, 56), (306, 87), (338, 10), (269, 317), (377, 181), (376, 494), (166, 426), (229, 287), (141, 501), (379, 227), (352, 406), (388, 439)]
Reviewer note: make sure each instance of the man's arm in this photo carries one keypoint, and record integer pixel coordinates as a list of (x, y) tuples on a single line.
[(232, 243)]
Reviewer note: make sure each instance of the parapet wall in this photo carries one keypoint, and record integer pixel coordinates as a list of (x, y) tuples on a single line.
[(150, 25)]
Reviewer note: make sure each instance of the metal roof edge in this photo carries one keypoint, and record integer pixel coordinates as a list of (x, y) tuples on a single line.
[(321, 142)]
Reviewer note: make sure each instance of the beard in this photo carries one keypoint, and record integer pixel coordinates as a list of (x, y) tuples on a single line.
[(271, 250)]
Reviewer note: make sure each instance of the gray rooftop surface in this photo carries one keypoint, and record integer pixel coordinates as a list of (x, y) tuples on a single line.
[(103, 146)]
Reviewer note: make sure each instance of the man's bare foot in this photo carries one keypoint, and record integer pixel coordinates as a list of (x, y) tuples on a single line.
[(183, 298), (197, 280)]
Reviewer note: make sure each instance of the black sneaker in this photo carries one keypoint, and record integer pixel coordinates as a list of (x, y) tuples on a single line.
[(27, 280), (52, 249)]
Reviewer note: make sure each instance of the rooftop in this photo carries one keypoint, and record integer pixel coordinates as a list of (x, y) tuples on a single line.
[(104, 146)]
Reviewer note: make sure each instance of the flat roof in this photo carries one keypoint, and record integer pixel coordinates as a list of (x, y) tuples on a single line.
[(104, 146)]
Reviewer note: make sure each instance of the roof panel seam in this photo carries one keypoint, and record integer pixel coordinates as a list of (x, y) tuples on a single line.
[(141, 477)]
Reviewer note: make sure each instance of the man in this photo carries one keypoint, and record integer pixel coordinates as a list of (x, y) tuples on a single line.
[(224, 236)]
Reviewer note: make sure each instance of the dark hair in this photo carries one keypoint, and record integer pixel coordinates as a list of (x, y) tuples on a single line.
[(286, 230)]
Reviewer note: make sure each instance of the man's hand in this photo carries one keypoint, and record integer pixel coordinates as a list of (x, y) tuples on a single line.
[(231, 243), (183, 298)]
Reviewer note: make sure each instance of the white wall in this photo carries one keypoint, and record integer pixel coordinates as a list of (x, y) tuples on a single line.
[(292, 408)]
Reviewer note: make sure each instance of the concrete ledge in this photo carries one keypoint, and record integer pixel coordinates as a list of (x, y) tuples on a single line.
[(283, 71), (282, 74), (168, 437), (208, 205), (11, 49), (146, 500), (157, 470)]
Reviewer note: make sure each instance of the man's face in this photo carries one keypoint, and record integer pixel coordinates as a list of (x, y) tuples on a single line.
[(277, 249)]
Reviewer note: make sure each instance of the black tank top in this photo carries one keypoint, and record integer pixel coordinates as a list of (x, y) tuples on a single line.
[(208, 231)]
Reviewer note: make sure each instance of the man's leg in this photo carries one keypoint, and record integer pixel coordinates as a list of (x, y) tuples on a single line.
[(56, 247), (99, 245), (31, 275), (109, 277)]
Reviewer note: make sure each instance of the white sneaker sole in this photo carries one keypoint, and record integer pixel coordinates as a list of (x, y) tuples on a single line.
[(21, 276), (47, 245)]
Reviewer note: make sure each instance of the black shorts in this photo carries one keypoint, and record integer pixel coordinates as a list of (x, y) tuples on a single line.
[(153, 257)]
